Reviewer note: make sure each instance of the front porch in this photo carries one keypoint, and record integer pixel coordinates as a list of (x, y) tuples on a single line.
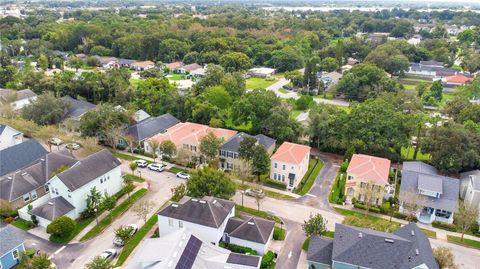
[(428, 214)]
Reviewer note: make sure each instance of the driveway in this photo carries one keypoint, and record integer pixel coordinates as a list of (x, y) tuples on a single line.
[(79, 254), (290, 253), (278, 85)]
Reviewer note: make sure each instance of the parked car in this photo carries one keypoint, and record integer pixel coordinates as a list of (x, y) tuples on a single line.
[(156, 167), (109, 254), (183, 175), (72, 146), (141, 163), (255, 193), (55, 141), (117, 241), (286, 87)]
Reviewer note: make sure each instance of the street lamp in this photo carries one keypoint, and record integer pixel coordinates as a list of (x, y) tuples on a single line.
[(140, 173), (392, 208)]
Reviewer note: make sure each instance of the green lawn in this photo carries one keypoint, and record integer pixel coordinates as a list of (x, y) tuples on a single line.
[(282, 90), (21, 224), (127, 157), (134, 178), (255, 212), (259, 83), (176, 169), (338, 188), (276, 195), (176, 76), (309, 178), (407, 154), (429, 233), (278, 233), (357, 219), (294, 113), (466, 242), (409, 87), (241, 128), (117, 211)]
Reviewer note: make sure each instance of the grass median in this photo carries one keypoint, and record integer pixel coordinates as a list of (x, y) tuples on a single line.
[(306, 184), (258, 213), (466, 242), (117, 211), (357, 219)]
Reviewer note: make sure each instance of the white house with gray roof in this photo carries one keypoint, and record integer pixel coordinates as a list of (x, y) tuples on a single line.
[(9, 136), (248, 231), (69, 189), (353, 248), (12, 242), (17, 99), (439, 194)]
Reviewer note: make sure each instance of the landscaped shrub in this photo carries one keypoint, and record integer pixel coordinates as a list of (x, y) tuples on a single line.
[(343, 167), (267, 259), (306, 243), (364, 207), (278, 233), (238, 249), (275, 184), (60, 228), (400, 215), (445, 226)]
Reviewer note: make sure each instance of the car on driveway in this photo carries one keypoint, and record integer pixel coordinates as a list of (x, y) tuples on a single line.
[(117, 241), (141, 163), (109, 254), (55, 141), (255, 193), (183, 175), (72, 146), (156, 167)]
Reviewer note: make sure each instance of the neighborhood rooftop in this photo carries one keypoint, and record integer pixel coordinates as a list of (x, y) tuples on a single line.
[(20, 155), (369, 168), (53, 209), (233, 144), (291, 153), (250, 228), (151, 126), (76, 108), (10, 238)]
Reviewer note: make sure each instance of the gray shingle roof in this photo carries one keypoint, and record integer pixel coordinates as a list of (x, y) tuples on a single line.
[(430, 183), (15, 185), (208, 211), (88, 169), (378, 250), (20, 155), (151, 126), (250, 229), (53, 209), (10, 238), (476, 178), (76, 107), (320, 250), (233, 144), (2, 127), (412, 171)]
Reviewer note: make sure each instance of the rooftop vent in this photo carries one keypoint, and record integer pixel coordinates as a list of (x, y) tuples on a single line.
[(24, 173), (10, 178), (417, 252), (214, 201), (388, 240), (42, 159), (195, 200), (174, 254), (412, 232), (250, 223), (203, 202), (174, 205), (50, 203), (409, 258), (360, 235)]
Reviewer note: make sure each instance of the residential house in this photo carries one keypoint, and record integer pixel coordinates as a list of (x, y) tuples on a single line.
[(206, 217), (76, 108), (107, 62), (142, 65), (439, 194), (174, 65), (470, 189), (352, 248), (9, 136), (140, 115), (261, 72), (184, 248), (186, 136), (12, 243), (20, 155), (434, 69), (21, 187), (126, 63), (365, 173), (17, 99), (149, 127), (69, 189), (255, 233), (229, 151), (330, 79), (290, 163), (457, 80)]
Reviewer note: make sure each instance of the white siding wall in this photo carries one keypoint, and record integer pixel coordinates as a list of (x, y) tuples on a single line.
[(258, 247), (298, 169), (21, 103), (9, 137)]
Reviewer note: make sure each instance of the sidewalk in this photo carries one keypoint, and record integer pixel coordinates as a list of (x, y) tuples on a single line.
[(441, 234)]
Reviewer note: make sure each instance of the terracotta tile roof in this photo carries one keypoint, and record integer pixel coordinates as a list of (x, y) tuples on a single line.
[(191, 133), (174, 65), (143, 64), (291, 153), (369, 168), (461, 79)]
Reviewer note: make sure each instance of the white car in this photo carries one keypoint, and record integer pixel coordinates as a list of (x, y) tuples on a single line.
[(109, 254), (141, 163), (72, 146), (156, 167), (117, 241), (55, 141), (183, 175)]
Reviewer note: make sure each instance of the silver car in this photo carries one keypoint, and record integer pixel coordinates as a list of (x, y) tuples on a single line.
[(109, 254)]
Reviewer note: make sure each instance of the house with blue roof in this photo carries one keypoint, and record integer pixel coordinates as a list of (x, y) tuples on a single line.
[(12, 242)]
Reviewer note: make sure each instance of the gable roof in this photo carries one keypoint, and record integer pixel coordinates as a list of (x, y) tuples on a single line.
[(191, 67), (88, 169), (320, 250), (11, 238), (20, 155), (233, 144), (4, 127), (174, 65), (250, 228), (151, 126), (367, 167), (191, 133), (76, 108), (53, 209), (291, 153), (373, 249), (143, 64), (34, 176), (460, 79), (208, 211), (19, 95)]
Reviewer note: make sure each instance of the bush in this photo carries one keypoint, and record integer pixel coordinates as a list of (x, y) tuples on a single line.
[(121, 147), (60, 228), (238, 249), (278, 233), (400, 215), (445, 226), (385, 207), (275, 184), (306, 243), (364, 207), (267, 259), (343, 167)]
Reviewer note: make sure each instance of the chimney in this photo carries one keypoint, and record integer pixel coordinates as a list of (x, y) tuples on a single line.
[(360, 235)]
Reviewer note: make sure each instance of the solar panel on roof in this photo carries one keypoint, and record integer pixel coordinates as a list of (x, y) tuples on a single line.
[(243, 259), (189, 253)]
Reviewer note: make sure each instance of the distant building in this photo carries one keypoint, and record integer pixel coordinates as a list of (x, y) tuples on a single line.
[(434, 69), (290, 163), (174, 65), (149, 127), (261, 72), (17, 99), (9, 136), (470, 189), (142, 65)]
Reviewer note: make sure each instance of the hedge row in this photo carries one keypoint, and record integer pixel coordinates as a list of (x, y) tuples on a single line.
[(267, 260), (275, 184), (364, 207), (445, 226), (238, 249)]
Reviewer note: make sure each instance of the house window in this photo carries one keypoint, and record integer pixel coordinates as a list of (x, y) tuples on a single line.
[(230, 154), (180, 224), (34, 195), (26, 197), (235, 155), (170, 222), (283, 178), (15, 254), (275, 165), (283, 167), (275, 176), (350, 177), (101, 180), (47, 189)]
